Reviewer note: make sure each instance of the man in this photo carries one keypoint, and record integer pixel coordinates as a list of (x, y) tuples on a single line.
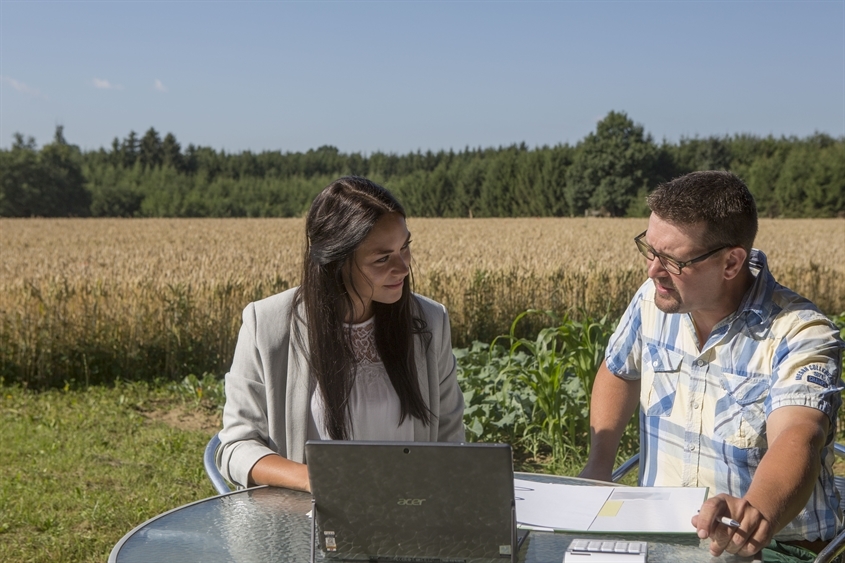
[(737, 377)]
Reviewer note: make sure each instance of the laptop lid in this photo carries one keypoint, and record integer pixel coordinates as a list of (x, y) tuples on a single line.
[(412, 501)]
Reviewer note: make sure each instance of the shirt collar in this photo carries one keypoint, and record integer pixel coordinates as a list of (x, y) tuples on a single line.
[(756, 305)]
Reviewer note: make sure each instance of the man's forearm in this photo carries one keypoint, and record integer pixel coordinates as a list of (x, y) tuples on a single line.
[(787, 474), (783, 482), (614, 400)]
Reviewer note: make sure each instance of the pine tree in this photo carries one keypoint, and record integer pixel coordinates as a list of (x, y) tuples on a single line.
[(150, 151), (171, 152)]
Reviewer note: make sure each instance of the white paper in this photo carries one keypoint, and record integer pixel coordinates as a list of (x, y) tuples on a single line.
[(558, 507), (607, 509), (662, 510)]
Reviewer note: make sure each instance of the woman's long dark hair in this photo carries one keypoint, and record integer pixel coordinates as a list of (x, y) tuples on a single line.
[(339, 220)]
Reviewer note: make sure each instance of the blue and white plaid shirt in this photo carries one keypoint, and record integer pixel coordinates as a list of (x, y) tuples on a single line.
[(703, 411)]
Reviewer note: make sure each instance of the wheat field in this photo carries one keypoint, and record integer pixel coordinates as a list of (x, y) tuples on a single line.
[(87, 300)]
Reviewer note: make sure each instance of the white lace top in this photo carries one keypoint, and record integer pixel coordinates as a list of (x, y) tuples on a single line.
[(374, 404)]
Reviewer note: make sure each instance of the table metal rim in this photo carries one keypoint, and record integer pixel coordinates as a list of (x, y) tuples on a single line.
[(119, 545)]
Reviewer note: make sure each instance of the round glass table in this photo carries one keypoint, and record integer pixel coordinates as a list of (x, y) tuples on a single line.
[(268, 524)]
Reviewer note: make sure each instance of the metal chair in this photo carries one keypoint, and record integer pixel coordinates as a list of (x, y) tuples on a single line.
[(829, 554), (625, 468), (217, 481), (836, 547)]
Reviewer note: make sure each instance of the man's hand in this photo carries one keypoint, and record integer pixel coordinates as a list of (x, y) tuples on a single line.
[(590, 471), (754, 533)]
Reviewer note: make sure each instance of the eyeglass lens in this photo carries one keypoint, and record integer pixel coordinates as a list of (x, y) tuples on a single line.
[(650, 255)]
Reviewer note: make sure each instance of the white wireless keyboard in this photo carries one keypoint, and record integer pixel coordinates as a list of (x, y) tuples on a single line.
[(605, 551)]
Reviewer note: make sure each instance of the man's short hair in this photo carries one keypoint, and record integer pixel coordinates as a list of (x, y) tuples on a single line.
[(717, 198)]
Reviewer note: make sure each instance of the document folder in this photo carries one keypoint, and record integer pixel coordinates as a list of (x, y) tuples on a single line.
[(597, 509)]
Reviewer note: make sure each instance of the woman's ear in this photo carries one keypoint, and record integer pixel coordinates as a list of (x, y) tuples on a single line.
[(735, 260)]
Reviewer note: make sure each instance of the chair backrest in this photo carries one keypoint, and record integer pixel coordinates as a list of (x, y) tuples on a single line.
[(626, 467), (217, 481), (837, 544)]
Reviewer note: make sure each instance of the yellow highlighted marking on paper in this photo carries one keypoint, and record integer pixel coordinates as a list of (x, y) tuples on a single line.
[(610, 508)]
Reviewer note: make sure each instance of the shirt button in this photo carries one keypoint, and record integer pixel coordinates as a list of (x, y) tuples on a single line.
[(691, 448), (695, 406), (699, 363), (655, 363)]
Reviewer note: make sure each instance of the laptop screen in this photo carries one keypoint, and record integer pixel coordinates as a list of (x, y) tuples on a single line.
[(412, 501)]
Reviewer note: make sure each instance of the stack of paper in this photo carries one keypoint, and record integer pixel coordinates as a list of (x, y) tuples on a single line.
[(659, 510)]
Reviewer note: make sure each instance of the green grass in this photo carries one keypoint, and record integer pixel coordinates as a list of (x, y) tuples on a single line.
[(83, 467)]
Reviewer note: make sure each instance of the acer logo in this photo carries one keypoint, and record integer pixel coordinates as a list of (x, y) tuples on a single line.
[(411, 501)]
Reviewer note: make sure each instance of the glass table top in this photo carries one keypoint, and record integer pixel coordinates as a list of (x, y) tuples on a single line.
[(267, 524)]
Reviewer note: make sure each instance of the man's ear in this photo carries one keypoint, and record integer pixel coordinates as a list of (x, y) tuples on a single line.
[(734, 262)]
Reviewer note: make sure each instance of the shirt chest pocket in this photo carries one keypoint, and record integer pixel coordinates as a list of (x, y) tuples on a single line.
[(741, 411), (660, 371)]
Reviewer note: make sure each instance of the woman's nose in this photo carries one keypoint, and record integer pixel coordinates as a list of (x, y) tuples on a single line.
[(402, 263)]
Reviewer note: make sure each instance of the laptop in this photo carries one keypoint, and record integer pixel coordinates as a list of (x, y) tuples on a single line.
[(426, 502)]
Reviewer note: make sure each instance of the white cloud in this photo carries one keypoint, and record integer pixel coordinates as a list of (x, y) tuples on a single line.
[(104, 84), (158, 85), (23, 88)]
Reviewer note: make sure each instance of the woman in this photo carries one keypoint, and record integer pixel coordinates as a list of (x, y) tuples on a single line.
[(352, 353)]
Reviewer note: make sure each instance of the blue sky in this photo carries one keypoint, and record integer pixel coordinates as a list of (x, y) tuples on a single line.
[(400, 76)]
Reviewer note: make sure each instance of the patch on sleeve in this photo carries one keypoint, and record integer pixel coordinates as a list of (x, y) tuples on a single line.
[(816, 374)]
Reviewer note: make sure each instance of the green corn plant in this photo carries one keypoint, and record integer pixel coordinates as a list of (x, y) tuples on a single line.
[(562, 363)]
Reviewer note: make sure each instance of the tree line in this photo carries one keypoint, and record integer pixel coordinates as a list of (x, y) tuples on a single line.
[(608, 173)]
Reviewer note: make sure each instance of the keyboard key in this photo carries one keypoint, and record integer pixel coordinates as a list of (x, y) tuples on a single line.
[(635, 547), (580, 545), (621, 547), (603, 551)]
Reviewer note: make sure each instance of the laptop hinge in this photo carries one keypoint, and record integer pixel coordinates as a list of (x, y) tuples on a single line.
[(313, 529)]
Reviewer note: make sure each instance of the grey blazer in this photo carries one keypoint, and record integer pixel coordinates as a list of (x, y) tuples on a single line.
[(268, 389)]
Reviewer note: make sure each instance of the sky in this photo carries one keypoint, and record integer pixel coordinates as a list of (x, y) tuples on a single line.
[(396, 76)]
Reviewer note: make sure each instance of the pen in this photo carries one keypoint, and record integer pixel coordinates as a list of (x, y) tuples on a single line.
[(729, 522)]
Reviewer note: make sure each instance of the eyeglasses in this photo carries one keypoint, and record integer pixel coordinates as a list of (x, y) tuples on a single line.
[(670, 264)]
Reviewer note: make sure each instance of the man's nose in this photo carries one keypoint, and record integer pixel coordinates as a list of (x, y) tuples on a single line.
[(655, 268)]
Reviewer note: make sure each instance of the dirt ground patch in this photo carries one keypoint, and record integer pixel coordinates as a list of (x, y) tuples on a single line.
[(187, 417)]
